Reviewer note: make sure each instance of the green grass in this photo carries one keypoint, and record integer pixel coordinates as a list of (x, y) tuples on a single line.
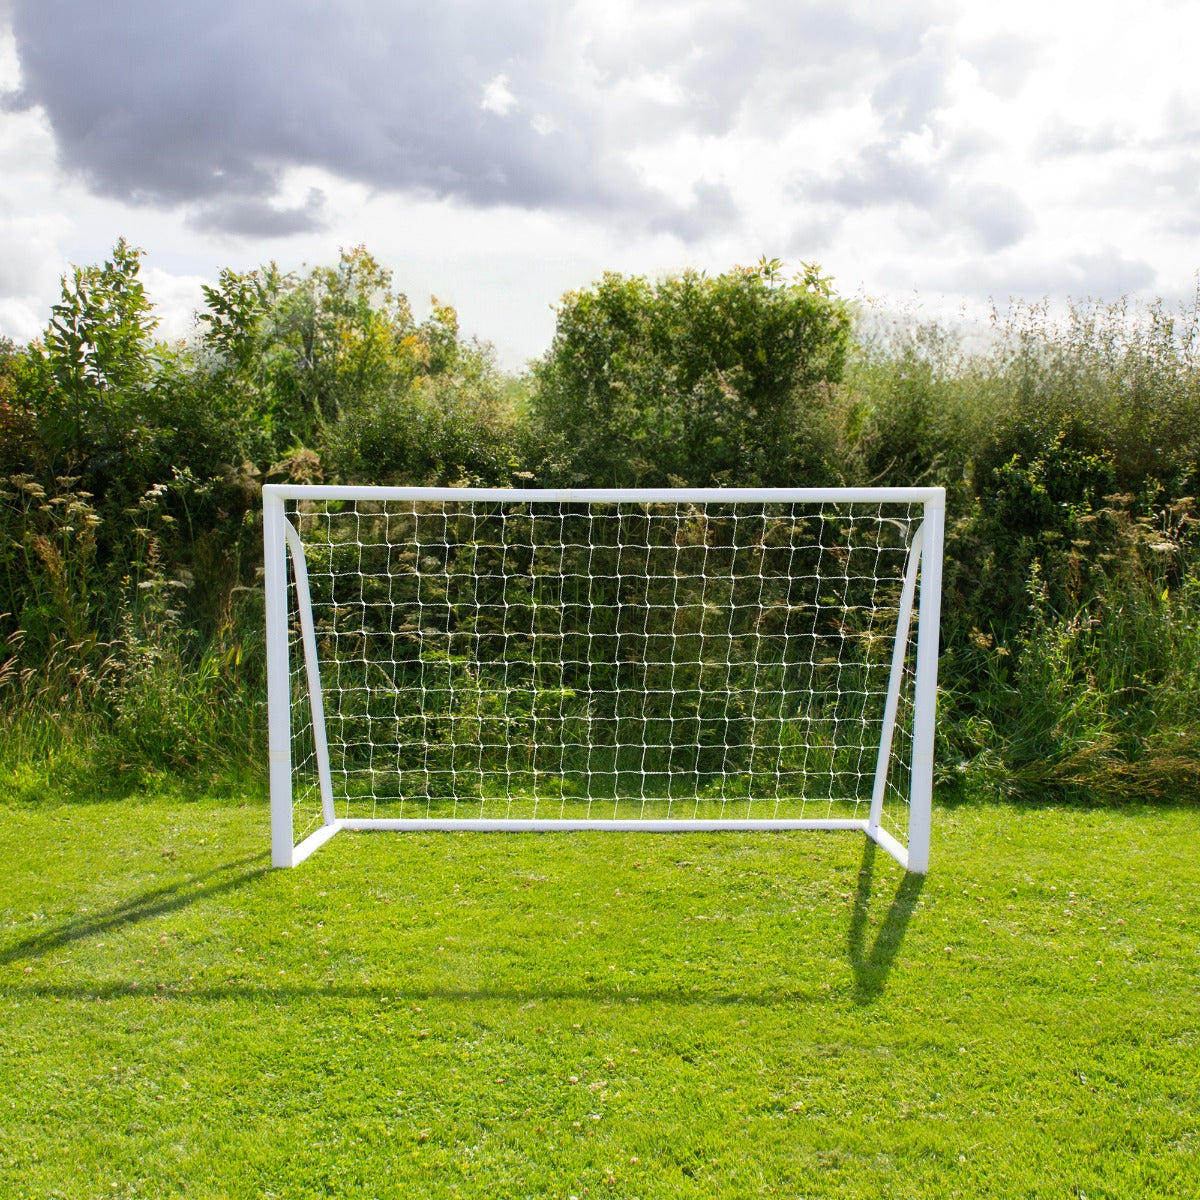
[(597, 1015)]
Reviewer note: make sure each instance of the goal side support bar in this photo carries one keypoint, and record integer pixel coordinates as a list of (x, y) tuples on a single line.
[(925, 561), (920, 815), (282, 542), (279, 717)]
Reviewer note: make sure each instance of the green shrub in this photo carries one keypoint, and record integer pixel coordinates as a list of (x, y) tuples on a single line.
[(130, 475), (918, 408), (1099, 702), (458, 425), (694, 380)]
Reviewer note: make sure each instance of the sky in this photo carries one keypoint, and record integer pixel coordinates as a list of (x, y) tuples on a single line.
[(937, 156)]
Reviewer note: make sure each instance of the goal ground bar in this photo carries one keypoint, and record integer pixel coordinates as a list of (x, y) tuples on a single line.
[(318, 838)]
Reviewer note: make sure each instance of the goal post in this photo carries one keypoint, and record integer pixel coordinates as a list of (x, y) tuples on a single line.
[(658, 659)]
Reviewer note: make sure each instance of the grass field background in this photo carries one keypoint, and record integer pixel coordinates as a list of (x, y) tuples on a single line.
[(598, 1015)]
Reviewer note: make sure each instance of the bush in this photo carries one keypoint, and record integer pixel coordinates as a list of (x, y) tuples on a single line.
[(693, 380), (458, 425), (1101, 702), (918, 409)]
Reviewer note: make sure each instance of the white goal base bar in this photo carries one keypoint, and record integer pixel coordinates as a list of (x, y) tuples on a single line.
[(321, 617), (316, 840)]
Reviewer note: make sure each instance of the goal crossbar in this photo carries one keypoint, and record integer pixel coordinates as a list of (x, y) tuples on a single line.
[(302, 644)]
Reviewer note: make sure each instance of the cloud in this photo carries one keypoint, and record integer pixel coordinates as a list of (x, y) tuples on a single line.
[(920, 183), (881, 174), (928, 144), (251, 216), (26, 247), (530, 104), (173, 105), (712, 205), (1181, 118), (780, 63), (995, 215), (911, 92), (167, 104), (1107, 273), (496, 96), (1059, 138), (1004, 62)]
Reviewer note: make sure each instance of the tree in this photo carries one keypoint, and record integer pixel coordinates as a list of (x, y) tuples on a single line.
[(17, 432), (693, 379), (292, 352), (96, 360), (333, 363), (456, 421)]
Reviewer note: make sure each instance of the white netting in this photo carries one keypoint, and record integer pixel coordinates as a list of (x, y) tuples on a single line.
[(604, 660)]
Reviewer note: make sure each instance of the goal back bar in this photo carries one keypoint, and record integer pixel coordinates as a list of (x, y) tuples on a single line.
[(660, 659)]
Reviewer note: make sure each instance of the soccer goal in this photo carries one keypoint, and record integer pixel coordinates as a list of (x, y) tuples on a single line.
[(658, 660)]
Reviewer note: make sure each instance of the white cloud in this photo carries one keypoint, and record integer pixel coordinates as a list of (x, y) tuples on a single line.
[(176, 298), (657, 87), (497, 96)]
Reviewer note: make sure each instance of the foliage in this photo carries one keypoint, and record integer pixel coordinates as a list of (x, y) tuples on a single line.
[(693, 380), (18, 437), (138, 686), (1053, 515), (455, 425), (1101, 701), (290, 351), (121, 578), (1126, 379), (919, 408), (334, 363), (96, 359), (1069, 446)]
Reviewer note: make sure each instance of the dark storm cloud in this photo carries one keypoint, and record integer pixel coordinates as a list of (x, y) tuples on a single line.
[(207, 107), (251, 216), (168, 103), (172, 104)]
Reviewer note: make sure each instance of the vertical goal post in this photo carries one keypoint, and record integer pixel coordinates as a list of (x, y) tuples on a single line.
[(662, 660)]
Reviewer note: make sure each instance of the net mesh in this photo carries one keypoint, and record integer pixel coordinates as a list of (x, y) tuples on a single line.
[(604, 660)]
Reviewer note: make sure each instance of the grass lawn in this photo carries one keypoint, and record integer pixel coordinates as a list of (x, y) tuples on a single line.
[(733, 1015)]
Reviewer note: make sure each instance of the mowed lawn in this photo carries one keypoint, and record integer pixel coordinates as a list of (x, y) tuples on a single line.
[(560, 1015)]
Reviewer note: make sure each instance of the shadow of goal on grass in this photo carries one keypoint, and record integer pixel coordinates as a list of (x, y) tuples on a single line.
[(153, 903), (872, 959)]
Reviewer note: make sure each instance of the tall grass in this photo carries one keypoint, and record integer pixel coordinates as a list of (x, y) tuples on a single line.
[(109, 683), (1070, 449), (1099, 703)]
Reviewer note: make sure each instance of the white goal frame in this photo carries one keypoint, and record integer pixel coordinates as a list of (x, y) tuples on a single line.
[(292, 645)]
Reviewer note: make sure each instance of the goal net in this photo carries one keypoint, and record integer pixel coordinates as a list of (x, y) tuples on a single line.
[(659, 660)]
